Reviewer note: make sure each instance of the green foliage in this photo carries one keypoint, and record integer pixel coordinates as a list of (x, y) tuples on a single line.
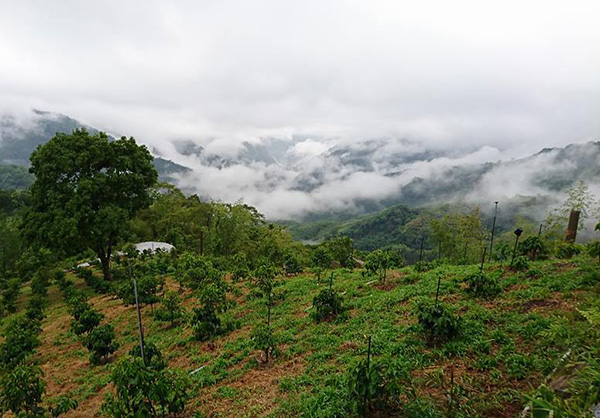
[(22, 391), (378, 262), (579, 198), (20, 339), (35, 307), (456, 232), (262, 338), (567, 250), (321, 257), (533, 247), (437, 320), (10, 294), (503, 252), (342, 250), (148, 287), (377, 386), (143, 391), (152, 356), (520, 263), (265, 277), (594, 249), (11, 245), (327, 305), (291, 263), (14, 177), (423, 266), (100, 342), (100, 286), (86, 190), (195, 270), (171, 309), (478, 284), (240, 269), (62, 405), (87, 320)]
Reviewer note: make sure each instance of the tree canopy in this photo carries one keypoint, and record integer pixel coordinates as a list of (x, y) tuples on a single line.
[(87, 188)]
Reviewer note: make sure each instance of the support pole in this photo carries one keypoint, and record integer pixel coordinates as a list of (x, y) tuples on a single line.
[(482, 260), (139, 318), (493, 231), (437, 292)]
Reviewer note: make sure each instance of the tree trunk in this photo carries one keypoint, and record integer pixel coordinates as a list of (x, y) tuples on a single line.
[(104, 257)]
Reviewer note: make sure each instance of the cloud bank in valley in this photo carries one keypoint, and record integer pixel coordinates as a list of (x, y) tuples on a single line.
[(465, 81)]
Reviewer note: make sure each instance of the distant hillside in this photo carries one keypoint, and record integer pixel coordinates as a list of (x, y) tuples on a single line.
[(19, 138), (14, 177)]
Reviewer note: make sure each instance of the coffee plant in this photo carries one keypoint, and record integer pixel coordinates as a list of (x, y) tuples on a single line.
[(153, 358), (148, 287), (20, 339), (481, 285), (520, 263), (10, 294), (321, 260), (376, 387), (567, 250), (327, 304), (87, 321), (205, 321), (22, 391), (171, 310), (100, 342), (263, 339), (533, 247), (436, 320), (378, 262), (143, 391), (423, 266), (594, 249)]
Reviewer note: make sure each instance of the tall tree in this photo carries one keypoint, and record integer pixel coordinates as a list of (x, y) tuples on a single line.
[(86, 190), (579, 198)]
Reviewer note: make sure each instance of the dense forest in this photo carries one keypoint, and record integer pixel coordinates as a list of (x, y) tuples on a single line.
[(408, 312)]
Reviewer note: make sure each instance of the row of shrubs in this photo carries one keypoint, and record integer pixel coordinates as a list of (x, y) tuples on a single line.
[(98, 338), (142, 386), (21, 380)]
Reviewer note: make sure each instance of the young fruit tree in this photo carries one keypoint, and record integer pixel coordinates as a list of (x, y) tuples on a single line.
[(86, 190)]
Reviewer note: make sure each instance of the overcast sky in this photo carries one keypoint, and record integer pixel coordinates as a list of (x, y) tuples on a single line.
[(509, 74)]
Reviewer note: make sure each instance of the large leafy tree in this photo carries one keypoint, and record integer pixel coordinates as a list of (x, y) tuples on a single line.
[(87, 188)]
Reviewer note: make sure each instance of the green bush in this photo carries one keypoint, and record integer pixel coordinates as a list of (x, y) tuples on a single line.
[(141, 391), (152, 355), (533, 247), (35, 307), (171, 310), (378, 262), (20, 339), (148, 287), (10, 294), (567, 250), (88, 320), (22, 391), (327, 304), (437, 321), (291, 263), (263, 339), (480, 285), (423, 266), (204, 320), (520, 263), (593, 249), (378, 387), (100, 342), (205, 323)]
